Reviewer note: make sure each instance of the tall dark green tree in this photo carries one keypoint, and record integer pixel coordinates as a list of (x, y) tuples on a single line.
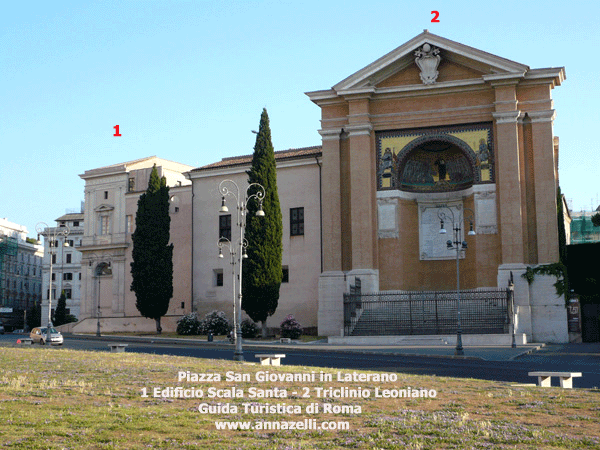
[(262, 270), (60, 314), (152, 266), (34, 316)]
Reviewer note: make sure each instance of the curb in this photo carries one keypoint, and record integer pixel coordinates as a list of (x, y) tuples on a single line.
[(282, 347)]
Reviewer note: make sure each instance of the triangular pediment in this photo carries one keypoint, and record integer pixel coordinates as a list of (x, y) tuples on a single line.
[(457, 62), (104, 208)]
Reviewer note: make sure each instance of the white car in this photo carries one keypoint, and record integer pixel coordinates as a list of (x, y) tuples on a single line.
[(39, 335)]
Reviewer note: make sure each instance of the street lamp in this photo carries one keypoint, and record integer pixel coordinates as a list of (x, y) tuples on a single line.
[(52, 234), (238, 252), (103, 269), (458, 245)]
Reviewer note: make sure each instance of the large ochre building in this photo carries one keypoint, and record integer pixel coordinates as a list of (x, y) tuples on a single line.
[(434, 134), (437, 123)]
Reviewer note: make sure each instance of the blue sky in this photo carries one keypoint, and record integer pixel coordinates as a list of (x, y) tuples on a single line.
[(187, 80)]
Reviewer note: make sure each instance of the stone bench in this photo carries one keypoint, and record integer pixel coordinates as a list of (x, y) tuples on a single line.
[(25, 341), (270, 359), (117, 348), (566, 378)]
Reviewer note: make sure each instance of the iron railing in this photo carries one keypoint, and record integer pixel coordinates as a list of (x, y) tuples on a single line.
[(483, 311)]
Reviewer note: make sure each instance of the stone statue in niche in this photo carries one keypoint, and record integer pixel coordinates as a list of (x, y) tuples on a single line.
[(428, 60)]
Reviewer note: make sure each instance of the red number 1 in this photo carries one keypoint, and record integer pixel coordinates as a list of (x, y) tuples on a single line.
[(435, 19), (116, 127)]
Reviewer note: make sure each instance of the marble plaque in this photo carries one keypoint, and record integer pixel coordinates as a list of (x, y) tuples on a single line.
[(432, 244)]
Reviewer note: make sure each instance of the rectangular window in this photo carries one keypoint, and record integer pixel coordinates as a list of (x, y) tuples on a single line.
[(105, 195), (104, 229), (67, 276), (69, 255), (218, 277), (75, 223), (131, 185), (285, 276), (54, 276), (225, 227), (296, 221), (68, 294)]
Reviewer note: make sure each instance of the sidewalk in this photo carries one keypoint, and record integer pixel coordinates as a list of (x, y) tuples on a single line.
[(489, 353)]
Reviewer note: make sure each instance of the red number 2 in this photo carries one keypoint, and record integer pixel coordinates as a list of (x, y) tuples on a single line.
[(435, 19), (116, 127)]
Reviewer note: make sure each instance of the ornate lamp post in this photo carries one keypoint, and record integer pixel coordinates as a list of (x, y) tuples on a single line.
[(237, 251), (459, 246), (52, 234)]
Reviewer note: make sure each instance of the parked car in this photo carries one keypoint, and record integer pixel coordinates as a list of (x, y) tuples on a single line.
[(39, 335)]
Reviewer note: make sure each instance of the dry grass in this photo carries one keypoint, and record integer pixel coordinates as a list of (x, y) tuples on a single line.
[(54, 398)]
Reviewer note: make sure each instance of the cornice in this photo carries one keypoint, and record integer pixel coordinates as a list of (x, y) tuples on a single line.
[(542, 116), (359, 129), (506, 116), (504, 79), (328, 134)]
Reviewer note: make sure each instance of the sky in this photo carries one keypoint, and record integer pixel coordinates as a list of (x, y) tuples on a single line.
[(187, 80)]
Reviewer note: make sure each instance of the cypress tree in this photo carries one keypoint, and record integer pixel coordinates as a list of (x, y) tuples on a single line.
[(262, 270), (60, 314), (152, 266)]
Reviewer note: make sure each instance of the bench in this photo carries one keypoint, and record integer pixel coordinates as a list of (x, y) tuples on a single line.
[(271, 359), (25, 341), (117, 348), (566, 378)]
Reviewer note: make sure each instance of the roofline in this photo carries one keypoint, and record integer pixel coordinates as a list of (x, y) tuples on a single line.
[(248, 159)]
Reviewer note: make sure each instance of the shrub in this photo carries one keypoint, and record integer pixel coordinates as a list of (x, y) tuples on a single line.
[(69, 318), (249, 329), (188, 325), (290, 328), (216, 323)]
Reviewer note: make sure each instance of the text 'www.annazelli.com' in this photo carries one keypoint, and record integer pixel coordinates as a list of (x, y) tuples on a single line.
[(306, 424)]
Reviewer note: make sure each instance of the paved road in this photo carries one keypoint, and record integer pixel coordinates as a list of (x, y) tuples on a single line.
[(583, 358)]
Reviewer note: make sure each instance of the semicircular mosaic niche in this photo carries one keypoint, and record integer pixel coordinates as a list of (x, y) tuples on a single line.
[(436, 159), (435, 166)]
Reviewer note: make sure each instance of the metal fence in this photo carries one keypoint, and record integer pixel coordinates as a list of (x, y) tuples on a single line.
[(429, 312)]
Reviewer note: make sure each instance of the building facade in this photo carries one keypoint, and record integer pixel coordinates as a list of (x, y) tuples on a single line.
[(437, 126), (111, 196), (298, 186), (433, 135), (20, 274), (66, 264)]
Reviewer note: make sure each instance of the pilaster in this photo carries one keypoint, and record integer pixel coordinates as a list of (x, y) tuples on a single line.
[(362, 196), (544, 166), (509, 174), (332, 210)]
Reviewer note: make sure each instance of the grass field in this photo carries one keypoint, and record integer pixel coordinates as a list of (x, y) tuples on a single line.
[(54, 398)]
